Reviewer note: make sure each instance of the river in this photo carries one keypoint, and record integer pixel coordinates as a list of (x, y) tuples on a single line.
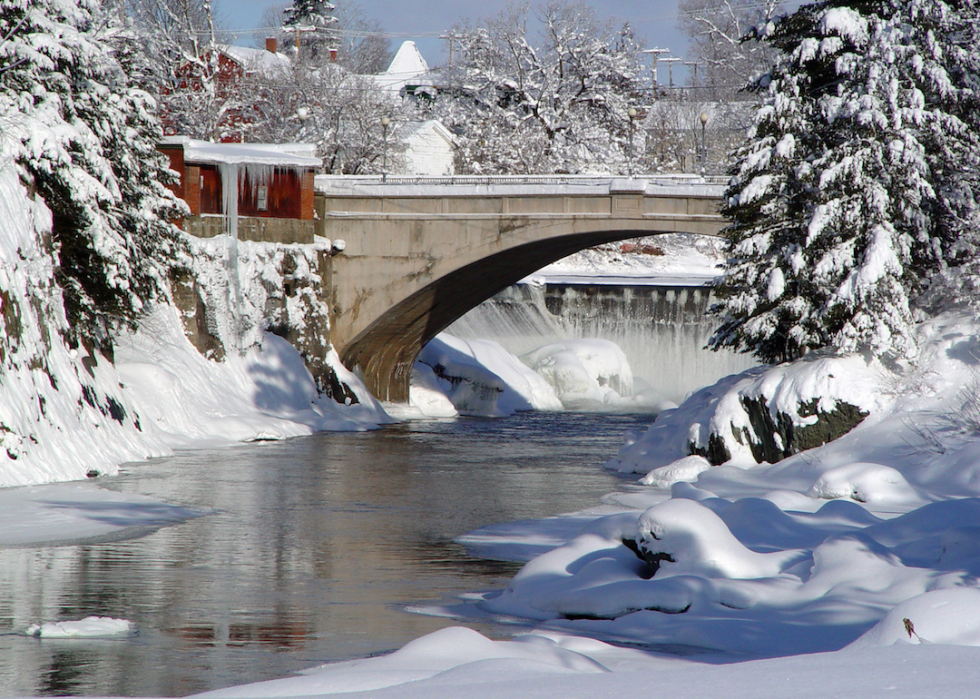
[(311, 551)]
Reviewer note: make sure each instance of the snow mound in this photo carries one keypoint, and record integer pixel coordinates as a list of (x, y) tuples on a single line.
[(950, 617), (89, 627), (584, 371), (425, 394), (479, 377), (443, 652), (686, 469), (864, 482), (687, 538)]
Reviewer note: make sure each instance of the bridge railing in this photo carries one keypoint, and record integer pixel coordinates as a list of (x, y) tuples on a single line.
[(491, 180)]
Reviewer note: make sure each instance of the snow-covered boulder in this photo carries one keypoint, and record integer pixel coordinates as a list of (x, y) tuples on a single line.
[(762, 415), (683, 537), (479, 377), (584, 371)]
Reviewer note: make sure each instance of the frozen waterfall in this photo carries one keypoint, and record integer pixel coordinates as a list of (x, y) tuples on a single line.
[(662, 329)]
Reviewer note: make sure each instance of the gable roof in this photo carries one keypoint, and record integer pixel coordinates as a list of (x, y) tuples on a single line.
[(256, 59), (416, 129)]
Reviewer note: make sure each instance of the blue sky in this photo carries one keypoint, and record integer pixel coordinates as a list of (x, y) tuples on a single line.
[(655, 21)]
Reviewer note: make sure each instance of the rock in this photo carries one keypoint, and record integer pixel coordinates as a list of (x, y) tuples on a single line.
[(776, 438)]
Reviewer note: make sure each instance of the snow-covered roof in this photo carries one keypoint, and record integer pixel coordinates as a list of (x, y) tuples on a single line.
[(406, 68), (259, 59), (282, 154), (416, 128), (407, 60)]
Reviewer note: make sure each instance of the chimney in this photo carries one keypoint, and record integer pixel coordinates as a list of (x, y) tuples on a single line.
[(333, 55), (270, 44)]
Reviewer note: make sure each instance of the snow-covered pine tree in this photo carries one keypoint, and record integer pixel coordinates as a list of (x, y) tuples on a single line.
[(839, 217), (958, 171), (87, 142), (311, 21)]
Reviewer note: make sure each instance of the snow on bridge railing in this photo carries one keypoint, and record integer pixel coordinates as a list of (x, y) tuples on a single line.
[(419, 185)]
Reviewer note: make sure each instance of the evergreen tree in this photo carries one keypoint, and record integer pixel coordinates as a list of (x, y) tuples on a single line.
[(850, 194), (311, 21), (86, 137)]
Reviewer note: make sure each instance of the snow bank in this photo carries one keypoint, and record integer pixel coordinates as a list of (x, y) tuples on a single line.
[(429, 656), (62, 514), (741, 576), (478, 377), (789, 397), (836, 545), (951, 617), (264, 393), (906, 671)]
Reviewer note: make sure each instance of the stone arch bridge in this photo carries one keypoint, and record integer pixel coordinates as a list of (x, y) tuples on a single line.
[(417, 254)]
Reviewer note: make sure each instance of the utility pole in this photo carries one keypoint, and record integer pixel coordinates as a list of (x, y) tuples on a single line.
[(632, 114), (385, 123), (656, 52), (670, 66), (451, 38)]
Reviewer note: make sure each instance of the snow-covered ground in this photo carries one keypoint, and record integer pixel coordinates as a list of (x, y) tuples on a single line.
[(664, 260), (847, 570)]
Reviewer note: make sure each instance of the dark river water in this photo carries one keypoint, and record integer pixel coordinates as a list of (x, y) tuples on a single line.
[(312, 551)]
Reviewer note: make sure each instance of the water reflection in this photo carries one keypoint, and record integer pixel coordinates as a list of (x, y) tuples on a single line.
[(315, 547)]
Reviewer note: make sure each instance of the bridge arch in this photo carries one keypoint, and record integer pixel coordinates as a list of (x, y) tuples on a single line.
[(415, 261)]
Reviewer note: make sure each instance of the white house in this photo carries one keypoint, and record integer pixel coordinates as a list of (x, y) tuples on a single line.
[(429, 149)]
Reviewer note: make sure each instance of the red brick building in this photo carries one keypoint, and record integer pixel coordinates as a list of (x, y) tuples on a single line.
[(231, 65)]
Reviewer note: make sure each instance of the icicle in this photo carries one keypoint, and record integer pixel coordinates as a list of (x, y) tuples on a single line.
[(230, 173), (256, 175)]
